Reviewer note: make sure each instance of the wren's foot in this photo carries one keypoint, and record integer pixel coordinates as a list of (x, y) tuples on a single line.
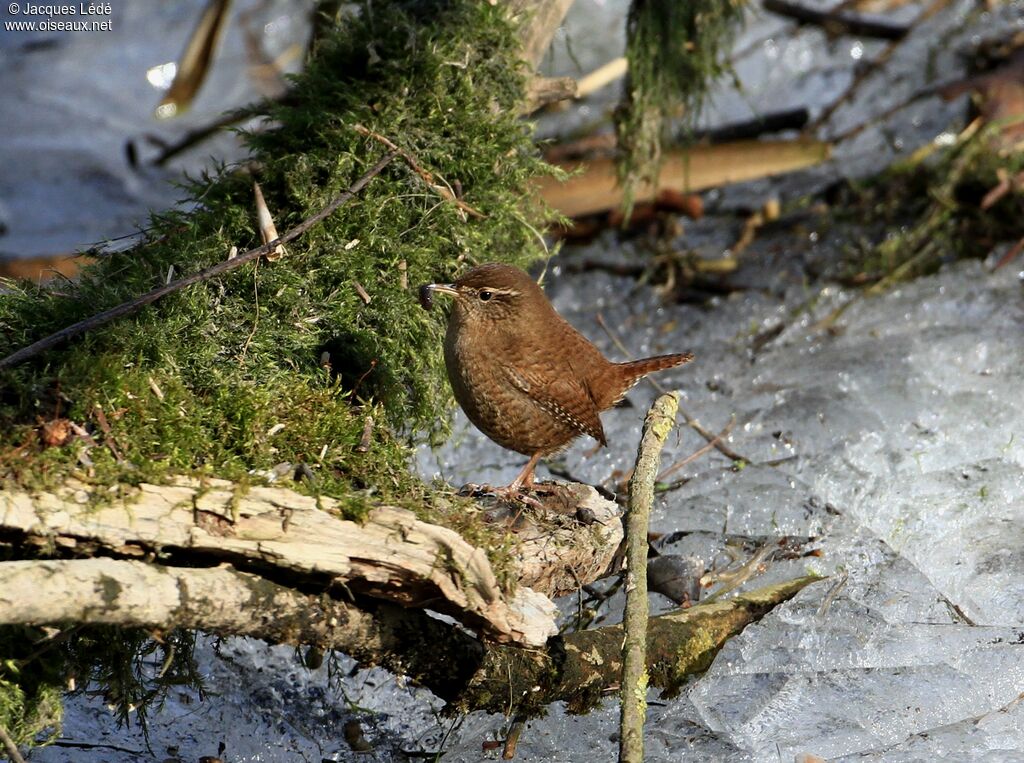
[(507, 493), (516, 491)]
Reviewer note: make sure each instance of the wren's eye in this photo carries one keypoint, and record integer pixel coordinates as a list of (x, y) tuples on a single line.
[(485, 295)]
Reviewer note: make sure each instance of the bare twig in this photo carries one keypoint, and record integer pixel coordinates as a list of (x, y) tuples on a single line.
[(713, 443), (1011, 253), (169, 151), (633, 693), (733, 577), (697, 453), (861, 75), (508, 752), (361, 291), (691, 422), (444, 191), (9, 747), (108, 435), (136, 304)]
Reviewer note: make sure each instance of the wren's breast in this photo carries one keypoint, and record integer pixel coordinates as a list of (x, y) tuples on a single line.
[(477, 366)]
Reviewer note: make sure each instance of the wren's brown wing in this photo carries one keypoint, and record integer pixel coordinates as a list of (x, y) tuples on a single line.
[(563, 395)]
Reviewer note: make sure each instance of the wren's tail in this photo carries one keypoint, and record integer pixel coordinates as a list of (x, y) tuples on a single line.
[(628, 374)]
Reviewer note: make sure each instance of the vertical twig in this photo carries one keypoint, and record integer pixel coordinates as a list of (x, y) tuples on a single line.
[(633, 693), (9, 747)]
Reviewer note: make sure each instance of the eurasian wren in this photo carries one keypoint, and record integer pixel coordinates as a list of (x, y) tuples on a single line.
[(523, 375)]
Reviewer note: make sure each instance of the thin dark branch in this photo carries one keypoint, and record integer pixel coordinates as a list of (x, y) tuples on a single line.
[(136, 304), (838, 22), (862, 74), (664, 475), (169, 151), (444, 191)]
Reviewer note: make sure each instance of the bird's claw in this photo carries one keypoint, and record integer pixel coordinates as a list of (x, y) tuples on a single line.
[(509, 493)]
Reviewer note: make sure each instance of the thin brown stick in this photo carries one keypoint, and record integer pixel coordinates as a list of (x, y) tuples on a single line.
[(691, 422), (9, 747), (444, 191), (697, 453), (713, 443), (136, 304), (508, 752), (1010, 255), (108, 435)]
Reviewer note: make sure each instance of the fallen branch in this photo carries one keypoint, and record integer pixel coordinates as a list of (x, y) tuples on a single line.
[(229, 602), (593, 185), (540, 91), (136, 304), (580, 667)]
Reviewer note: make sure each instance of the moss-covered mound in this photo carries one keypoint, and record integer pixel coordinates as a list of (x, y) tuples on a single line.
[(228, 376), (286, 360)]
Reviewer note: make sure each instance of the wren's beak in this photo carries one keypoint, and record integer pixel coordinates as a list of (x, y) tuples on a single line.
[(444, 288), (427, 292)]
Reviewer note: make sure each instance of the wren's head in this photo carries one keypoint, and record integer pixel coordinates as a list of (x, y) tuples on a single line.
[(489, 294)]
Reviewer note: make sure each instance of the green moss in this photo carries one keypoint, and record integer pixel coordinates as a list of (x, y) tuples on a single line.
[(674, 51), (225, 377)]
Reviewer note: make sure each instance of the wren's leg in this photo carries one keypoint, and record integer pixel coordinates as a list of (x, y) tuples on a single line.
[(525, 478)]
